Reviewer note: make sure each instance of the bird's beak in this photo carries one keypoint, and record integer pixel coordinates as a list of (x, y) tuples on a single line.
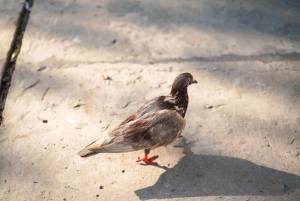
[(194, 81)]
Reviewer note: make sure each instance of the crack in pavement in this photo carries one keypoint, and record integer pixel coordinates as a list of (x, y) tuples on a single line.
[(12, 55)]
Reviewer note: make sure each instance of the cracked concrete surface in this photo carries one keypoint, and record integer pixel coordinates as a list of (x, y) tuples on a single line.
[(244, 55)]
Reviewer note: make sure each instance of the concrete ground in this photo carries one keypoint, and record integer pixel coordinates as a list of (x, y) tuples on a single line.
[(242, 138)]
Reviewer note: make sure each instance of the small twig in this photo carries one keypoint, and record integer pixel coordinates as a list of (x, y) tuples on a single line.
[(30, 86), (126, 104), (45, 94), (293, 141), (42, 68), (71, 187)]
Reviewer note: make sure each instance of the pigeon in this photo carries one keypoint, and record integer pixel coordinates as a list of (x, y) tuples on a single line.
[(157, 123)]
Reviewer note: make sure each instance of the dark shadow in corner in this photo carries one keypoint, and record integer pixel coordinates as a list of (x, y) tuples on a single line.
[(200, 175)]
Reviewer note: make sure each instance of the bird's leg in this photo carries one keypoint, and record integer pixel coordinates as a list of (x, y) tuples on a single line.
[(179, 136), (146, 159)]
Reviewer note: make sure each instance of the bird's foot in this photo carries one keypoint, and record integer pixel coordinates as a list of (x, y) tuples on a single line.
[(148, 160), (179, 136)]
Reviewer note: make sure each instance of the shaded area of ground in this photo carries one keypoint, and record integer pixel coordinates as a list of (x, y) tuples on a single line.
[(203, 175)]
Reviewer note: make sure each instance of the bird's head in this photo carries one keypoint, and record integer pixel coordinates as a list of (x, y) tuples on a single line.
[(181, 83)]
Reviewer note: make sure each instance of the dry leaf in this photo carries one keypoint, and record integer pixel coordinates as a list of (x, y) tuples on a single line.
[(76, 105)]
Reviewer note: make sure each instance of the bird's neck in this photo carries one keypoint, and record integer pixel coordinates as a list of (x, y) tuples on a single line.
[(180, 94), (181, 100)]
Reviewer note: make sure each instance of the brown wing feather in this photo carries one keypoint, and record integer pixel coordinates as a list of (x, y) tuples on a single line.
[(130, 118), (155, 129)]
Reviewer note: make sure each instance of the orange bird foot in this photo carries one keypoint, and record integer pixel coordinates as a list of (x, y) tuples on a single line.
[(148, 160), (179, 136)]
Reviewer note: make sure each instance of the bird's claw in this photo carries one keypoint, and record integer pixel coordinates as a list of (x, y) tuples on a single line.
[(148, 160)]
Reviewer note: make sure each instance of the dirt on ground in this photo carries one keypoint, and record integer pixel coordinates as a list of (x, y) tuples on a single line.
[(85, 66)]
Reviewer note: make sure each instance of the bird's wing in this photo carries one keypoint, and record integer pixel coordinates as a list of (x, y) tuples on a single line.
[(155, 104), (152, 130)]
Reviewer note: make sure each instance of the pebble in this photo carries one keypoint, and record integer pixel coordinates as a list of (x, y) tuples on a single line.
[(208, 106)]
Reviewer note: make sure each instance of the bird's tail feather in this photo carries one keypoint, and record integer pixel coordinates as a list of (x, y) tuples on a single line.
[(85, 152)]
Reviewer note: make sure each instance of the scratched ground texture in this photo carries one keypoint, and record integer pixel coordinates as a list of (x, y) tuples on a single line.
[(87, 65)]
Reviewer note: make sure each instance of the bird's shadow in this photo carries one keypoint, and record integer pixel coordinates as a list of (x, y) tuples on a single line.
[(208, 175)]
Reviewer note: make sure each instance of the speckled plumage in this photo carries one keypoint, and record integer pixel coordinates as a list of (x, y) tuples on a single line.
[(157, 123)]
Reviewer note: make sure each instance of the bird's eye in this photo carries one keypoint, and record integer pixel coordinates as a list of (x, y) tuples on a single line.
[(188, 80)]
